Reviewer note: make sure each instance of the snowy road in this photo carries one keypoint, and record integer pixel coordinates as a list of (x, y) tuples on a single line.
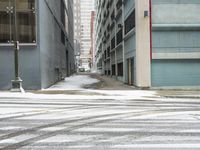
[(111, 120)]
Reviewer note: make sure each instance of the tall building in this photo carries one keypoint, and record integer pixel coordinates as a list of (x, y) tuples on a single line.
[(45, 33), (92, 54), (149, 43), (77, 30), (87, 6)]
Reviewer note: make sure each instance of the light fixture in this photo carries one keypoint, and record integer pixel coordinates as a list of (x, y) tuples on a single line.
[(146, 13)]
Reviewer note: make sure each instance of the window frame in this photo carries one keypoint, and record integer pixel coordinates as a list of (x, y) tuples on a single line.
[(10, 44), (126, 30), (119, 37)]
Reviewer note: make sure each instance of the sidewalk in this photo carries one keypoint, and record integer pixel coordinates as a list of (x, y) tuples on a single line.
[(191, 94), (111, 84), (86, 86), (97, 85)]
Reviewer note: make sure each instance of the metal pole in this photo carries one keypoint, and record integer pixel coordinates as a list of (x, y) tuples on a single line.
[(17, 83), (16, 43)]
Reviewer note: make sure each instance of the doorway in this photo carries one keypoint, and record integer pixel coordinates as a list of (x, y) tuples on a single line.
[(130, 64), (67, 64)]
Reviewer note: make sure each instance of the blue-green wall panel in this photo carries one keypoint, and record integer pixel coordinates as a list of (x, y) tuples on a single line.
[(175, 73), (176, 41)]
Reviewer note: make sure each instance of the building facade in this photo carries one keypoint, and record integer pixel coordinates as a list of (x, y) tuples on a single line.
[(45, 33), (77, 30), (87, 6), (92, 52), (149, 43)]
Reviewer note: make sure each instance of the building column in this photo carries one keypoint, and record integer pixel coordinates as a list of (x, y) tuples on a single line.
[(123, 45), (143, 57)]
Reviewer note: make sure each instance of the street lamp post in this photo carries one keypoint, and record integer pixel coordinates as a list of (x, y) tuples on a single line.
[(17, 82)]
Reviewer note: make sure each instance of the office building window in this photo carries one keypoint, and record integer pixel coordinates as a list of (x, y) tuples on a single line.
[(62, 12), (26, 21), (120, 69), (119, 37), (4, 22), (108, 52), (113, 43), (113, 70), (130, 22)]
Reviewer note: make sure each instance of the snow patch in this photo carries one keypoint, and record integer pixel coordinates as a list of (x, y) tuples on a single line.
[(76, 82)]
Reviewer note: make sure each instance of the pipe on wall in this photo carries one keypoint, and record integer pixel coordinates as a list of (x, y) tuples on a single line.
[(150, 26)]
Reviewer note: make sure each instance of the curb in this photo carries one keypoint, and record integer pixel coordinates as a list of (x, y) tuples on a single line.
[(187, 97)]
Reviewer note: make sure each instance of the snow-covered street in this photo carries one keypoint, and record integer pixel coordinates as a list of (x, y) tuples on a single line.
[(97, 119)]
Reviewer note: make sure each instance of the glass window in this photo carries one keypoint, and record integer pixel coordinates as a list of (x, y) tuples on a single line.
[(113, 43), (119, 37), (113, 70), (26, 21), (130, 22), (108, 52), (4, 21), (26, 27), (27, 5)]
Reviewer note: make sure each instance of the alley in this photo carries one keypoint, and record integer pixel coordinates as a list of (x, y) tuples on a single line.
[(82, 117)]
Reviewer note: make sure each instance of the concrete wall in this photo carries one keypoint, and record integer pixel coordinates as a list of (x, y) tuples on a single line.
[(29, 64), (176, 43), (44, 63), (54, 61), (52, 51), (29, 67), (143, 66)]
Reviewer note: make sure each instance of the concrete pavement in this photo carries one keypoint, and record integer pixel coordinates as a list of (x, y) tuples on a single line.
[(99, 124), (187, 93), (110, 120)]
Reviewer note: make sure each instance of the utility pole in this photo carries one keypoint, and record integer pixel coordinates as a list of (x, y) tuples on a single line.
[(17, 83)]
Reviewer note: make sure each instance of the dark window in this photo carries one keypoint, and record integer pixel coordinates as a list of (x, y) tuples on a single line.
[(113, 15), (105, 72), (119, 4), (109, 72), (111, 2), (108, 52), (113, 70), (120, 69), (4, 27), (26, 27), (24, 4), (62, 12), (99, 64), (64, 20), (105, 54), (26, 24), (119, 37), (130, 22), (113, 43)]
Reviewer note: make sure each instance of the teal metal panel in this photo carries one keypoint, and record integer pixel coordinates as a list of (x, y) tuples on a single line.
[(176, 41), (175, 73)]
